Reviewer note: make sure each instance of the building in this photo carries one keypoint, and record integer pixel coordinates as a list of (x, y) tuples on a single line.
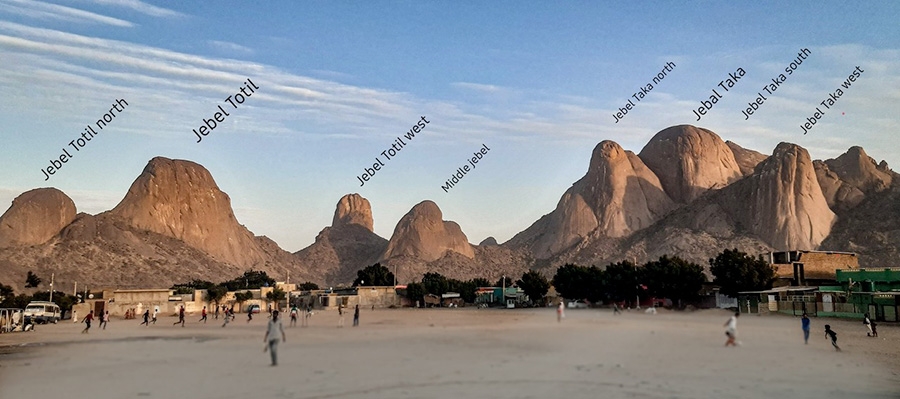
[(809, 268)]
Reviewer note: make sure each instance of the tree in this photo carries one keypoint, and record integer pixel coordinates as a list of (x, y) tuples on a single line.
[(535, 285), (735, 271), (481, 282), (250, 280), (594, 284), (189, 287), (673, 278), (5, 291), (621, 281), (308, 286), (241, 297), (415, 292), (569, 281), (276, 295), (32, 280), (435, 283), (215, 294), (376, 274), (465, 289)]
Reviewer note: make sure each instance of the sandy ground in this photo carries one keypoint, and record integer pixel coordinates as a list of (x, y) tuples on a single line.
[(444, 353)]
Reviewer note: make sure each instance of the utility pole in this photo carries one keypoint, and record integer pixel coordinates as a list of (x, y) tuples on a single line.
[(75, 290), (51, 287)]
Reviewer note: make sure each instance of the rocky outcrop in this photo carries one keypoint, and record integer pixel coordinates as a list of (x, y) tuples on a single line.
[(689, 161), (746, 159), (846, 180), (345, 247), (424, 235), (353, 209), (782, 202), (490, 241), (35, 217), (617, 196), (181, 200)]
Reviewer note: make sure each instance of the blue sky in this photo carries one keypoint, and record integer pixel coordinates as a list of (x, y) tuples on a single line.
[(536, 82)]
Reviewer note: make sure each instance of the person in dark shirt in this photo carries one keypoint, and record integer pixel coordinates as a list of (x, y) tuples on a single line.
[(833, 335), (804, 324)]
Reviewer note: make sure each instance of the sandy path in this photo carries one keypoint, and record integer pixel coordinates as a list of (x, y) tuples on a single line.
[(442, 353)]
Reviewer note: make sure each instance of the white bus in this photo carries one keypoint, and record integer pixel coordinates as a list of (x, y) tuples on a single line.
[(42, 312)]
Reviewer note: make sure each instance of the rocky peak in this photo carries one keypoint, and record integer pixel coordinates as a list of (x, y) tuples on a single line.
[(422, 233), (689, 161), (180, 199), (35, 217), (353, 209)]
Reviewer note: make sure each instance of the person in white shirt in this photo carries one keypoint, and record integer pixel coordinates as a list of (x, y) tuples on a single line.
[(271, 337), (731, 330)]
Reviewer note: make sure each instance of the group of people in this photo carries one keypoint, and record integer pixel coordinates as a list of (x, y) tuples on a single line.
[(805, 326)]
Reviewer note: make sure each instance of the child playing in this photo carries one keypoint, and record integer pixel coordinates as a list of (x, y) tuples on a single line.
[(830, 333)]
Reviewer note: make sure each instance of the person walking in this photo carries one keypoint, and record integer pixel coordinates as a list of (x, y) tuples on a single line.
[(180, 317), (104, 319), (203, 315), (731, 330), (306, 316), (356, 316), (155, 313), (560, 312), (616, 309), (249, 315), (74, 316), (227, 317), (804, 324), (271, 337), (217, 312), (146, 318), (87, 320), (868, 323), (829, 333), (874, 329), (340, 315)]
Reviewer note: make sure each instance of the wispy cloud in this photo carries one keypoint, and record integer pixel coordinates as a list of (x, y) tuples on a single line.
[(41, 10), (141, 7), (230, 47), (484, 88)]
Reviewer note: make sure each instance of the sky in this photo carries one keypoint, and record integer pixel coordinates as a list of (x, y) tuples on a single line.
[(537, 83)]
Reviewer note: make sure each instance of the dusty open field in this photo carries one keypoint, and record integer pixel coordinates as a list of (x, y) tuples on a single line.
[(442, 353)]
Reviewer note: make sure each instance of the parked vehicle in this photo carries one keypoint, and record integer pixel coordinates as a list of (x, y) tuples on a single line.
[(253, 309), (42, 312), (579, 304)]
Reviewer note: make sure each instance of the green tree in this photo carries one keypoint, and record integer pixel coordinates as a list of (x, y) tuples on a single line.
[(673, 278), (250, 280), (32, 280), (215, 294), (241, 297), (189, 287), (376, 275), (535, 285), (594, 284), (735, 271), (569, 281), (415, 292), (308, 286), (5, 291), (465, 289), (435, 283), (481, 282), (621, 281), (276, 295)]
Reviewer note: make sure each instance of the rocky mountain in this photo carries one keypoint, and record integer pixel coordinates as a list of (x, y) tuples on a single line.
[(346, 246), (689, 161), (618, 196), (687, 193), (423, 234), (174, 225), (35, 217)]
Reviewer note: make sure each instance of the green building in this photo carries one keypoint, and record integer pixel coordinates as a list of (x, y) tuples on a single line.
[(876, 291)]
